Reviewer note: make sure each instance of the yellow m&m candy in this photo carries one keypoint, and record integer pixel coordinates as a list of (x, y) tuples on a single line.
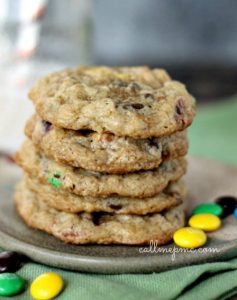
[(188, 237), (206, 222), (46, 286)]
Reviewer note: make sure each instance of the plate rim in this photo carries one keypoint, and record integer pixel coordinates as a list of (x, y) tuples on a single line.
[(109, 265)]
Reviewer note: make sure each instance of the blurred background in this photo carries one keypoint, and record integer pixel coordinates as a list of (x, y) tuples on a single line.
[(196, 41)]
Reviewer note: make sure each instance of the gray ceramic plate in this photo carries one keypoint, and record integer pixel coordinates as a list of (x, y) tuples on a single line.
[(206, 180)]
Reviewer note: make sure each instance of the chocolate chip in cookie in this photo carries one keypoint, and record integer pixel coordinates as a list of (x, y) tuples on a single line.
[(136, 106), (46, 125)]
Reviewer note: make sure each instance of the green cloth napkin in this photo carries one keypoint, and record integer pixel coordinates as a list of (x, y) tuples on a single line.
[(212, 135), (207, 281)]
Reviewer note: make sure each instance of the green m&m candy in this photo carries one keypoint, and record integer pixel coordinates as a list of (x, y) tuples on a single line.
[(11, 284), (208, 208), (55, 179)]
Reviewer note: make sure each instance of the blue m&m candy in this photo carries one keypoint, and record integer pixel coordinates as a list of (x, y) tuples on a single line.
[(235, 213)]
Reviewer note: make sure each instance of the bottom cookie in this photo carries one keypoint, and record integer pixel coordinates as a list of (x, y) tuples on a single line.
[(98, 228)]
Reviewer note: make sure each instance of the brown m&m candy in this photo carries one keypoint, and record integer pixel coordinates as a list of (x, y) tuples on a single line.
[(228, 203), (10, 261)]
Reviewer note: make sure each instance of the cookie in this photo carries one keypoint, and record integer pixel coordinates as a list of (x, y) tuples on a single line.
[(104, 152), (97, 228), (68, 202), (86, 183), (128, 101)]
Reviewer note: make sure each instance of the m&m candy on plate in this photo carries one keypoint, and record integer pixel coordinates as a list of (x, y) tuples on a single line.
[(188, 237), (208, 208), (235, 213), (206, 222), (228, 203)]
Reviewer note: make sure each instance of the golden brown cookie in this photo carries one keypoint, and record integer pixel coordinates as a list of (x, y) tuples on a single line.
[(86, 183), (173, 195), (97, 228), (104, 152), (128, 101)]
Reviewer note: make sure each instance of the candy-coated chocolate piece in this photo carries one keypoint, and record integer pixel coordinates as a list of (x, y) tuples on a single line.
[(228, 203), (235, 213), (188, 237), (46, 286), (54, 181), (11, 284), (10, 261), (206, 222), (208, 208)]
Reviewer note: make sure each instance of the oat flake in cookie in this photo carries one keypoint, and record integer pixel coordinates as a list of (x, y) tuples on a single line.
[(128, 101), (104, 152), (99, 228)]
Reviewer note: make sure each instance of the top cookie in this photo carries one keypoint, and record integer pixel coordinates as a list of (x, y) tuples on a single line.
[(127, 101)]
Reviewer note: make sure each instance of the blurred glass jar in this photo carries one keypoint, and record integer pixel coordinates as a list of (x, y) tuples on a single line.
[(36, 38)]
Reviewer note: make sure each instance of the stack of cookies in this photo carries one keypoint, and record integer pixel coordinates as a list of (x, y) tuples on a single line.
[(104, 157)]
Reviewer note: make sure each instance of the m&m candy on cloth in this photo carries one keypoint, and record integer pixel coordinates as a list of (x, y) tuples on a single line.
[(11, 284), (206, 222), (10, 261), (208, 208), (46, 286), (188, 237), (228, 203)]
